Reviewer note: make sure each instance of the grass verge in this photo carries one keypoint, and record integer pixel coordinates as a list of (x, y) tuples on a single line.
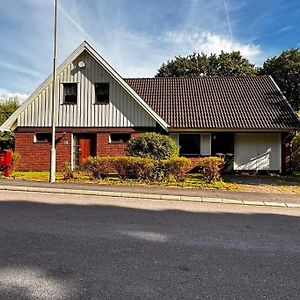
[(192, 181)]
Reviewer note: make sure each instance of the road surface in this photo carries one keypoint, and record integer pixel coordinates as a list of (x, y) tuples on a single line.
[(71, 247)]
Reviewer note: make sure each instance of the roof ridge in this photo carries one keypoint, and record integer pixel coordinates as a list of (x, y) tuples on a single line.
[(196, 77)]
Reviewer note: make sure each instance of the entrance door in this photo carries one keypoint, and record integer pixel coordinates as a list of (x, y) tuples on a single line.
[(84, 146), (84, 149)]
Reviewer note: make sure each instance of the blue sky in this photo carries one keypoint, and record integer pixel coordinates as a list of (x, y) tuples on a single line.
[(137, 36)]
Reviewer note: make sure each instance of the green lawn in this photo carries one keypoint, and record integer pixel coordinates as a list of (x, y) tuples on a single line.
[(193, 180), (268, 184)]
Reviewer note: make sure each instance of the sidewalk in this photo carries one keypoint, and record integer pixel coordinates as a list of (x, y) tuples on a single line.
[(157, 193)]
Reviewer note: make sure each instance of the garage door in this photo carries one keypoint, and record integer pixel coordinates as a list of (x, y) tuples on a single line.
[(257, 151)]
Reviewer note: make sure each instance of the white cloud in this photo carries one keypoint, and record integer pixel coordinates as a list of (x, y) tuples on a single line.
[(208, 43), (5, 94)]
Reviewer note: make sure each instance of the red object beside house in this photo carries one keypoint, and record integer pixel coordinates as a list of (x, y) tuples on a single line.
[(6, 161)]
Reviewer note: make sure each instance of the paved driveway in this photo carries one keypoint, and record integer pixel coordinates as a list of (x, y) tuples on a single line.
[(70, 247)]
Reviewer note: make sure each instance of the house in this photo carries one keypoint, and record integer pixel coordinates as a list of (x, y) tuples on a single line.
[(98, 111)]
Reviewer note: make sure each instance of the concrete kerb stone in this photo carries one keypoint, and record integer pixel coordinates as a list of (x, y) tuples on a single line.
[(278, 204), (231, 201), (211, 200), (255, 203), (292, 205), (151, 196), (111, 194), (170, 197), (167, 197), (132, 195), (190, 198)]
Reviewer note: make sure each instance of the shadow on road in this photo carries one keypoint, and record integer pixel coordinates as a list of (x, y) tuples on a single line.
[(108, 252)]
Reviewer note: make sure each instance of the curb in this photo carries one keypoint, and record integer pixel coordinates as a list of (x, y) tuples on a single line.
[(146, 196)]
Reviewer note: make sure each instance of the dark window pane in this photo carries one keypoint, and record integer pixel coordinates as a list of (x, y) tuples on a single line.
[(102, 92), (70, 93), (119, 137), (44, 137), (189, 144)]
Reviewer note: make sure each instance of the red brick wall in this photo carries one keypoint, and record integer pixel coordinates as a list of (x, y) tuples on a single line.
[(104, 148), (36, 156)]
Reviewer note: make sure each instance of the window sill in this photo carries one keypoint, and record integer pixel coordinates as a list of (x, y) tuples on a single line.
[(101, 103), (65, 103)]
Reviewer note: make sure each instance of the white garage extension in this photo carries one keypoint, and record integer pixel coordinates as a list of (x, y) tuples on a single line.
[(257, 151)]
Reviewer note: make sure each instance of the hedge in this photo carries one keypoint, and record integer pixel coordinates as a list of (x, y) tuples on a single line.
[(98, 167), (138, 168), (146, 169), (211, 168), (177, 168), (133, 167)]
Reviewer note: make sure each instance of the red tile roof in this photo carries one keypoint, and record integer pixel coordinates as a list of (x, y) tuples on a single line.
[(217, 102)]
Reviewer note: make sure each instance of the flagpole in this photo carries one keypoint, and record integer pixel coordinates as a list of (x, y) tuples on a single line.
[(53, 114)]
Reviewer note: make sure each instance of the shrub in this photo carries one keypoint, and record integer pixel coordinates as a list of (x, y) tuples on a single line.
[(15, 161), (152, 145), (7, 140), (133, 167), (67, 171), (98, 167), (177, 168), (296, 152), (211, 168)]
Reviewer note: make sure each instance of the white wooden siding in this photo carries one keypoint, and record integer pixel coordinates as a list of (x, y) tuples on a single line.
[(122, 110), (257, 151)]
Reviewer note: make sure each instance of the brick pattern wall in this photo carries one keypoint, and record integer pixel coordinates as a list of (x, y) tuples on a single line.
[(104, 148), (36, 156)]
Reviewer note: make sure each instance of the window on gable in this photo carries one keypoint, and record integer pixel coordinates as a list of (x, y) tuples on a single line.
[(43, 137), (70, 93), (189, 144), (102, 92), (119, 137)]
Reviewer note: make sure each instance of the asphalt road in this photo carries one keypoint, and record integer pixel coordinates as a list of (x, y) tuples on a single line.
[(70, 247)]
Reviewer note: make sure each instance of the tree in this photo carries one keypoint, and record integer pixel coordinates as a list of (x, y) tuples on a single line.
[(6, 109), (285, 69), (196, 64)]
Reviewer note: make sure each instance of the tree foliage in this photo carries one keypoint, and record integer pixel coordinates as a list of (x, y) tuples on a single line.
[(285, 69), (199, 64), (7, 107)]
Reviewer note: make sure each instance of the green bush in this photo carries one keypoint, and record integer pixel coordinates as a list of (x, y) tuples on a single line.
[(177, 168), (98, 167), (67, 171), (138, 168), (296, 152), (211, 168), (15, 161), (152, 145), (133, 167), (7, 140)]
